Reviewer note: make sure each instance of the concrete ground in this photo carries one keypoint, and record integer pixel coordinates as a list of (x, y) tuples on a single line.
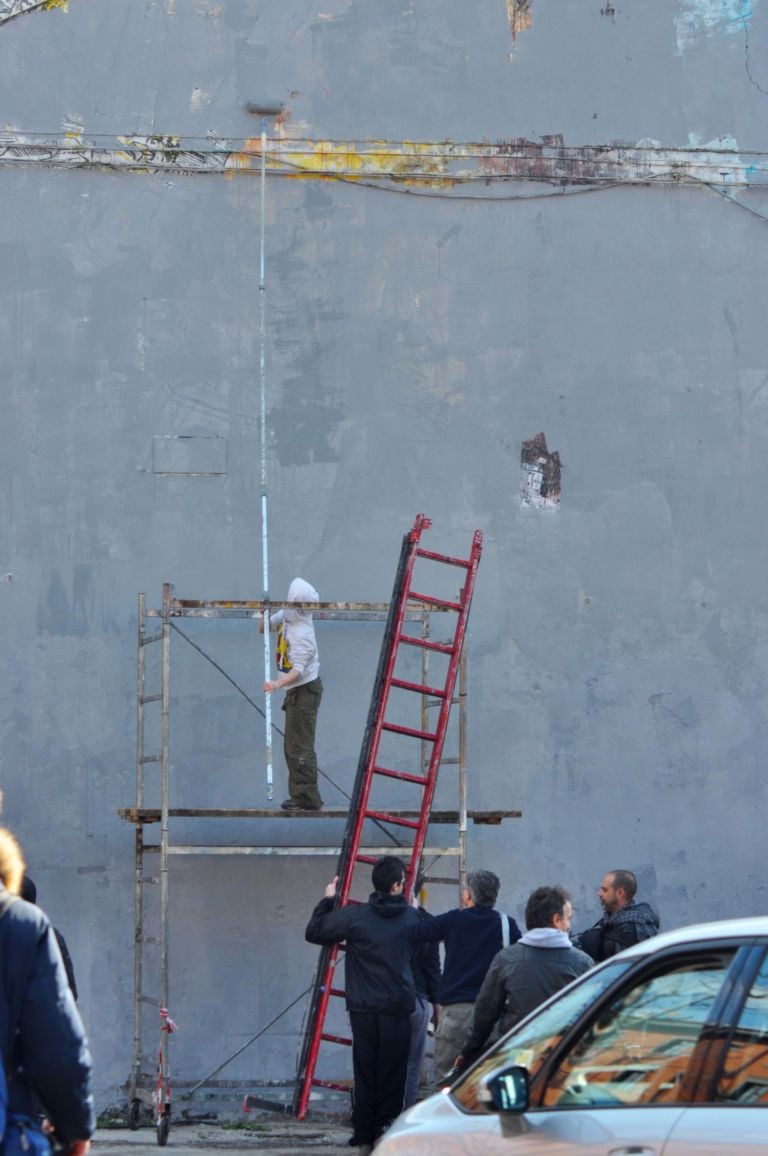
[(283, 1138)]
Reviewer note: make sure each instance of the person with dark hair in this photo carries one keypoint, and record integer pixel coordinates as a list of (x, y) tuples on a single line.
[(472, 935), (380, 992), (29, 893), (623, 923), (42, 1041), (523, 975)]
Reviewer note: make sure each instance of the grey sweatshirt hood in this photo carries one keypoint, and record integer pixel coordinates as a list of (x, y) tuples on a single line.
[(300, 591)]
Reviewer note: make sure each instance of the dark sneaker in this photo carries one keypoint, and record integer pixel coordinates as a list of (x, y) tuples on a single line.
[(296, 805)]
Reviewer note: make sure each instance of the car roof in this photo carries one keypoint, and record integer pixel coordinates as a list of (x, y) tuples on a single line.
[(751, 927)]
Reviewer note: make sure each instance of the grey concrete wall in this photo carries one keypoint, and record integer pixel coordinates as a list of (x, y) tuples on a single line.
[(618, 648)]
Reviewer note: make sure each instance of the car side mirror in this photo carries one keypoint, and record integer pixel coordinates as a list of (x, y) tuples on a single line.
[(507, 1091)]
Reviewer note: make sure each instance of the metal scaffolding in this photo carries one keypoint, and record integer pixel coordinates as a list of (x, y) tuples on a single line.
[(153, 991)]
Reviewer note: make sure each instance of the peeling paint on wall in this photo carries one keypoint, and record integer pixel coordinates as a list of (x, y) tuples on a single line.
[(11, 8), (437, 164), (539, 475), (698, 18), (519, 15)]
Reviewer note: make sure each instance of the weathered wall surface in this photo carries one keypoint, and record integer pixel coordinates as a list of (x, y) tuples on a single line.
[(618, 650)]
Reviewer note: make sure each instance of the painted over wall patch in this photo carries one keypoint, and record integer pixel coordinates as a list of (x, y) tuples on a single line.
[(519, 16), (539, 475), (697, 18)]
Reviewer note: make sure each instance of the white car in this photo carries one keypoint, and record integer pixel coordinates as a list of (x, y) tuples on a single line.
[(660, 1051)]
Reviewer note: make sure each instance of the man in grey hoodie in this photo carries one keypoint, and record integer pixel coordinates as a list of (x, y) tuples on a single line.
[(523, 975), (299, 672)]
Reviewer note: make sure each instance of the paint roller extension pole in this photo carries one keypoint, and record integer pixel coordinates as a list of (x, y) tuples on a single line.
[(264, 110), (263, 447)]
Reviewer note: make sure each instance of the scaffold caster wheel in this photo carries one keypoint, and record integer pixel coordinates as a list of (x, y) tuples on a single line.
[(134, 1115), (163, 1128)]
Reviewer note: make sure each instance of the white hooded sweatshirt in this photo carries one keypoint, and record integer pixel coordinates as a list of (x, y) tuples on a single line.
[(300, 632)]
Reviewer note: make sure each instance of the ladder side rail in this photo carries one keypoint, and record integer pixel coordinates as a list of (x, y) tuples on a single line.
[(310, 1045), (379, 699), (311, 1038), (138, 937), (365, 749), (164, 805), (445, 706), (462, 769), (362, 785), (138, 850)]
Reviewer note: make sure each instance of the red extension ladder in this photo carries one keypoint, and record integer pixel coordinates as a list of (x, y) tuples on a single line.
[(371, 774)]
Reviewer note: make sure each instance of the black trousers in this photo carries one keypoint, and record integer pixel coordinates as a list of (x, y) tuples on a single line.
[(380, 1046)]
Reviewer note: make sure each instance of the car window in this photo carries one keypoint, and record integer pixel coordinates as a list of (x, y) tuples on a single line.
[(531, 1043), (745, 1074), (637, 1050)]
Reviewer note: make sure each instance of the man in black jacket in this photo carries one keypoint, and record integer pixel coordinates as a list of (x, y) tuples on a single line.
[(42, 1041), (380, 992), (523, 975), (624, 922)]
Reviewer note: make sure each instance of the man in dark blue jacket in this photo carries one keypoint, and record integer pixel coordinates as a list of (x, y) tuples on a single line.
[(43, 1044), (473, 934), (380, 992)]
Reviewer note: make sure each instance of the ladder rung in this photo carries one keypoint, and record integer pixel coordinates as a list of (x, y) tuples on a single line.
[(413, 596), (151, 759), (151, 638), (414, 734), (335, 1087), (150, 939), (383, 817), (427, 644), (336, 991), (150, 698), (431, 690), (450, 762), (335, 1039), (444, 558), (150, 1000), (404, 776), (365, 859)]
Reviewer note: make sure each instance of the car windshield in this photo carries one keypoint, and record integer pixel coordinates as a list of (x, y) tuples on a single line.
[(530, 1044)]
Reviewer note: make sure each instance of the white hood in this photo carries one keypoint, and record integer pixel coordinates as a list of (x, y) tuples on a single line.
[(300, 591)]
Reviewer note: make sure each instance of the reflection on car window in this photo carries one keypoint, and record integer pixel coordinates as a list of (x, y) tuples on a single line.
[(637, 1050), (745, 1077), (530, 1044)]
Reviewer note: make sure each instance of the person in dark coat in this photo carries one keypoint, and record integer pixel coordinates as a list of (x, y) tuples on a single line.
[(528, 972), (29, 893), (380, 993), (42, 1040), (624, 922)]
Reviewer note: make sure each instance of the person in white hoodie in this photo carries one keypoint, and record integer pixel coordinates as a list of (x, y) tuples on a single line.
[(299, 666), (526, 973)]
